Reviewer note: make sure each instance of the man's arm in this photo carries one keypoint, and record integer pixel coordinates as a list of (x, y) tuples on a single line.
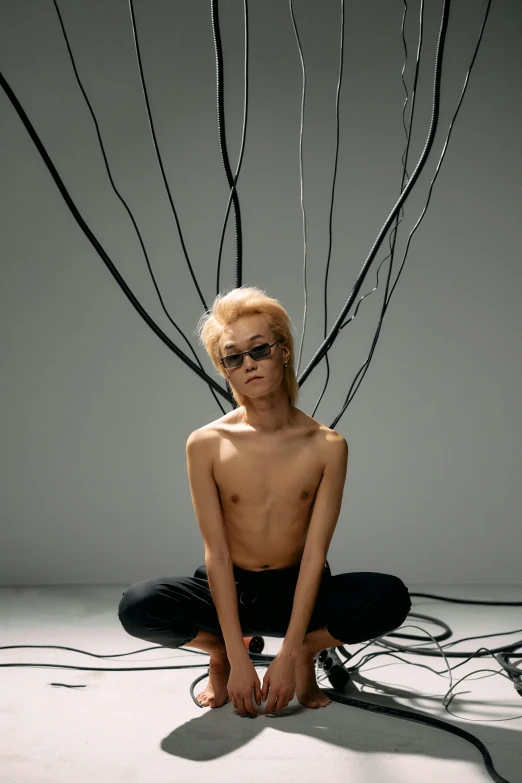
[(220, 573), (320, 532)]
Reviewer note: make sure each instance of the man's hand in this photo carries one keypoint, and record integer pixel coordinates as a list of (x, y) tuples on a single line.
[(280, 678)]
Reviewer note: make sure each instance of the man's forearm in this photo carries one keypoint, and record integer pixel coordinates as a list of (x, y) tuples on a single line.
[(306, 589), (220, 574)]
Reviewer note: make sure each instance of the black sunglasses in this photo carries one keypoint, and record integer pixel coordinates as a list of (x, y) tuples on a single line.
[(259, 352)]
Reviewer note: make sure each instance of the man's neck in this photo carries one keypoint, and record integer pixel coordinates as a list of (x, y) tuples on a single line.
[(268, 424)]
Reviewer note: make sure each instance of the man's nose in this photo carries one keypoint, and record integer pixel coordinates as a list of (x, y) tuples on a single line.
[(248, 361)]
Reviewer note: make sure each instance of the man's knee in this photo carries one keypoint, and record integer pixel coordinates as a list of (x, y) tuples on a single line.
[(134, 599), (397, 600), (394, 591), (404, 594)]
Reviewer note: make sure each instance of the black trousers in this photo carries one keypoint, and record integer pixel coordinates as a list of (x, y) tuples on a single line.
[(354, 607)]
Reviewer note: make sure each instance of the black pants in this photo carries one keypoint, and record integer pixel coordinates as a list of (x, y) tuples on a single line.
[(354, 607)]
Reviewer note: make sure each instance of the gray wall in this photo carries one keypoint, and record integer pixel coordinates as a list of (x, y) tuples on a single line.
[(95, 409)]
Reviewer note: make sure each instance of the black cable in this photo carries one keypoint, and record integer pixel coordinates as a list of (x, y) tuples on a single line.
[(443, 153), (214, 13), (433, 126), (393, 233), (164, 177), (214, 9), (333, 333), (259, 661), (98, 247)]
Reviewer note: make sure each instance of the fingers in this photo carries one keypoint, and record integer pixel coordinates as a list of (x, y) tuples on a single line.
[(244, 705), (271, 702), (277, 703)]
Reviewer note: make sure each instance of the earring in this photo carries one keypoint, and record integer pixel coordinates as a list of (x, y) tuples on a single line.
[(286, 364)]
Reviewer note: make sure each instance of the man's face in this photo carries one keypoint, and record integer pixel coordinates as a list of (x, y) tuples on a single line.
[(245, 334)]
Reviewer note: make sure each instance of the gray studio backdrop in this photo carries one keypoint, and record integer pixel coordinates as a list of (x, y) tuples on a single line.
[(95, 409)]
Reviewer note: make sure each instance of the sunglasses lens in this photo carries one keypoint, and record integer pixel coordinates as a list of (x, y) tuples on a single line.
[(236, 359), (233, 361)]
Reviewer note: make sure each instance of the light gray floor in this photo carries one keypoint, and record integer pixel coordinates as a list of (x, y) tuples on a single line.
[(138, 727)]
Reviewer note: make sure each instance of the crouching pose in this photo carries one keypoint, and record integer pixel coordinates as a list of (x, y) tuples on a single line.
[(267, 483)]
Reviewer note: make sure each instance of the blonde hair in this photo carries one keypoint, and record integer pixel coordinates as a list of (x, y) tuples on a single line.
[(227, 309)]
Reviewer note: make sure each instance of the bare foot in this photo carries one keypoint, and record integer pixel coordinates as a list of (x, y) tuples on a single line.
[(306, 688), (216, 693)]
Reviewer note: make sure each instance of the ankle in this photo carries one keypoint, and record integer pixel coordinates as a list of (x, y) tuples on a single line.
[(210, 643)]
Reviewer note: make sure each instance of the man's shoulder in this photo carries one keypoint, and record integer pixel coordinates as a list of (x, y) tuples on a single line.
[(317, 428), (215, 429), (329, 436), (204, 432), (334, 446), (205, 435)]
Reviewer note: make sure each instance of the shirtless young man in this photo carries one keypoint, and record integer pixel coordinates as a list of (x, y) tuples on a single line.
[(267, 460)]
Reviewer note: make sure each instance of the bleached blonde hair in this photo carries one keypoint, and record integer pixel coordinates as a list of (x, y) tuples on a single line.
[(230, 307)]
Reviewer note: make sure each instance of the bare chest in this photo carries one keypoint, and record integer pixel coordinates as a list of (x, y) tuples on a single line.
[(267, 487)]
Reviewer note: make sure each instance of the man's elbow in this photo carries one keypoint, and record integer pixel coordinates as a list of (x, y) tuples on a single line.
[(219, 556)]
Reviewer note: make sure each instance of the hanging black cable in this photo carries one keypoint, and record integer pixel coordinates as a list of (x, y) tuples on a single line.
[(393, 234), (385, 306), (429, 142), (98, 247), (337, 327), (214, 10)]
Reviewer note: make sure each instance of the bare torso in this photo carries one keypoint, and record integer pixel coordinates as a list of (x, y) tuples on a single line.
[(267, 485)]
